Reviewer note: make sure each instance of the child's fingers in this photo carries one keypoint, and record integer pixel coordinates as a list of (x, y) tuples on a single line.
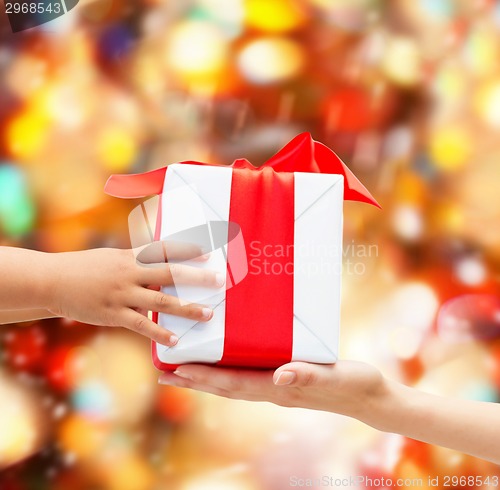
[(144, 326), (164, 303), (166, 251), (168, 274), (183, 251)]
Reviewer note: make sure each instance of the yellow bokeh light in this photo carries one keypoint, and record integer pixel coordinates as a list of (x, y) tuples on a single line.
[(276, 16), (17, 438), (17, 427), (450, 147), (196, 51), (481, 51), (402, 61), (26, 134), (487, 103), (271, 60), (116, 148)]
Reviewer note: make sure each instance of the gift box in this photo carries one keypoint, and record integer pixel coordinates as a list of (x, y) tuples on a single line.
[(275, 232)]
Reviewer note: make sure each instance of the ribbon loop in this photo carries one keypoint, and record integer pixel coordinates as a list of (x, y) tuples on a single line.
[(302, 154)]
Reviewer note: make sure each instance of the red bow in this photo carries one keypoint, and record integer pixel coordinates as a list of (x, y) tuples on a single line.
[(302, 154)]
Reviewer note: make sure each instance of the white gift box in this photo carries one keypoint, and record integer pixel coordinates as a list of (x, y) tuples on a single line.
[(275, 233), (195, 195)]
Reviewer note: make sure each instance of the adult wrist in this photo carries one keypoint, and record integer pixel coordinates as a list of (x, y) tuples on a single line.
[(383, 407)]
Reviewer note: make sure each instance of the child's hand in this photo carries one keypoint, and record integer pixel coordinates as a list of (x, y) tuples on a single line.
[(111, 287)]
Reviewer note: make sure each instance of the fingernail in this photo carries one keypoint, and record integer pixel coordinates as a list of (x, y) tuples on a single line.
[(206, 313), (205, 256), (173, 340), (219, 279), (183, 375), (165, 381), (285, 378)]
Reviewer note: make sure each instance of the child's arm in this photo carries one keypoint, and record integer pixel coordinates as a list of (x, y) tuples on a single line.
[(358, 390), (17, 316), (101, 286)]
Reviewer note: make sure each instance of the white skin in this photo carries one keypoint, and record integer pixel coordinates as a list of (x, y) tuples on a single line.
[(357, 390), (106, 286)]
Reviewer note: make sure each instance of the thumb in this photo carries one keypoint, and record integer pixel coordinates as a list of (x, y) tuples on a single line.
[(301, 374)]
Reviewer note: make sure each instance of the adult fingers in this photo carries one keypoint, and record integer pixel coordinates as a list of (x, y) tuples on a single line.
[(171, 379), (246, 381)]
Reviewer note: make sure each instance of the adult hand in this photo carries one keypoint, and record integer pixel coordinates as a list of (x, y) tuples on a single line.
[(347, 387), (358, 390)]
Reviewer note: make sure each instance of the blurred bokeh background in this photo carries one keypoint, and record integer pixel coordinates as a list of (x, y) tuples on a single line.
[(407, 92)]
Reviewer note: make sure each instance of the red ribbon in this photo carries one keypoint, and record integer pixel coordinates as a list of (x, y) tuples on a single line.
[(302, 154), (259, 312)]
